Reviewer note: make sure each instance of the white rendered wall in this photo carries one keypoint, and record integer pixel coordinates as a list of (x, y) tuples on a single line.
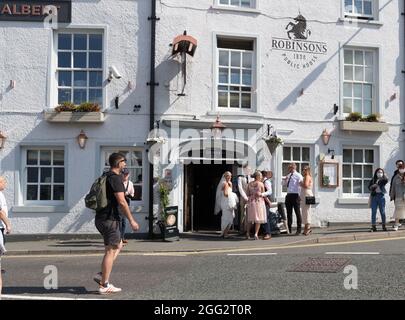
[(24, 57)]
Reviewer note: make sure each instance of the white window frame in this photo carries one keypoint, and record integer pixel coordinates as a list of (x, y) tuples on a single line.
[(24, 177), (255, 102), (110, 149), (229, 4), (52, 96), (241, 85), (373, 19), (374, 166), (299, 163), (374, 83), (360, 15), (74, 69), (377, 74)]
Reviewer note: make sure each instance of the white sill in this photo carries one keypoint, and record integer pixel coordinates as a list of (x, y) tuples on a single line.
[(238, 113), (352, 200), (237, 9), (361, 21), (40, 209)]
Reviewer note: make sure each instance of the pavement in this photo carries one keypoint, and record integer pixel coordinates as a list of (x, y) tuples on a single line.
[(194, 242)]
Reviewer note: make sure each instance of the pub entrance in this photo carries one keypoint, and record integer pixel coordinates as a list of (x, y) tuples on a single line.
[(200, 186)]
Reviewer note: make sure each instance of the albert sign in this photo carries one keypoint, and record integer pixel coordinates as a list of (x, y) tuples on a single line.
[(34, 10)]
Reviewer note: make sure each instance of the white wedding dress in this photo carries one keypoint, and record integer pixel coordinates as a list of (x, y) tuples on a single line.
[(225, 204)]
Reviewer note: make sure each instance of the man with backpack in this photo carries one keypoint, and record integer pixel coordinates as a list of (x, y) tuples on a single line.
[(107, 220)]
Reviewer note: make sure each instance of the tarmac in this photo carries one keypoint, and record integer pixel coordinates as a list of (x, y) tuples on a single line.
[(197, 242)]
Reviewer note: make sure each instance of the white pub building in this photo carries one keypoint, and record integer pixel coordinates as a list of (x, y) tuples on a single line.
[(325, 77)]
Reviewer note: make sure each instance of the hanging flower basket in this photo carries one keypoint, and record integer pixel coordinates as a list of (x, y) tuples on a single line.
[(273, 142)]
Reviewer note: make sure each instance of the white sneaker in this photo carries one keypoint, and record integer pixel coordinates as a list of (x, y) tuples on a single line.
[(395, 227), (108, 289)]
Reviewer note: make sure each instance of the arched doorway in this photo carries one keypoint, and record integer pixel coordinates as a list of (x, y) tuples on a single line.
[(203, 169)]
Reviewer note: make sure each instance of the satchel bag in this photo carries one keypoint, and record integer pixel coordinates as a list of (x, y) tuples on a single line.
[(309, 200)]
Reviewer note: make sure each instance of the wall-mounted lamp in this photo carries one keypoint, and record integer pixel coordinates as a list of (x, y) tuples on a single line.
[(2, 140), (184, 44), (393, 97), (333, 153), (335, 109), (82, 139), (12, 84), (117, 102), (217, 128), (325, 137)]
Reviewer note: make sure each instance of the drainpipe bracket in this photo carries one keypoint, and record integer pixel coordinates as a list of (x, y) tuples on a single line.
[(154, 18), (152, 84)]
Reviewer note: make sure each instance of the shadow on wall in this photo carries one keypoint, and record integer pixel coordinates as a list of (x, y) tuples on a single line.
[(14, 160), (65, 134), (138, 94), (292, 98), (399, 79)]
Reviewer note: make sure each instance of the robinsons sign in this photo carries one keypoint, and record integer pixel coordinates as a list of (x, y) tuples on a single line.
[(299, 52)]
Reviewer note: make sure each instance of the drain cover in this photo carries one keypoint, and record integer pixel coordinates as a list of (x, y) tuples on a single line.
[(331, 265)]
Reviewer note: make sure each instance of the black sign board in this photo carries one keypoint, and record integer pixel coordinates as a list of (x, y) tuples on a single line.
[(34, 10), (169, 229)]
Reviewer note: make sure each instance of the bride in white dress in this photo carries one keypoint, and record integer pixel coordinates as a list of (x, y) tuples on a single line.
[(226, 201)]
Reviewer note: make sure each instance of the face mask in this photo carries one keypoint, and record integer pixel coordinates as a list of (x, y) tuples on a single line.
[(379, 174), (401, 171)]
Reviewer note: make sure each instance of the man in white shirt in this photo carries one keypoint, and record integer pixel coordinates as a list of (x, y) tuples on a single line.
[(243, 180), (292, 199)]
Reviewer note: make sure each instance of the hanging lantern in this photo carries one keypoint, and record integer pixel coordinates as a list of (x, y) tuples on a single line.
[(217, 128), (82, 139)]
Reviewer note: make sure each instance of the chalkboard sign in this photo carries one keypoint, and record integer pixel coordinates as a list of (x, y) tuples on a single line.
[(169, 227)]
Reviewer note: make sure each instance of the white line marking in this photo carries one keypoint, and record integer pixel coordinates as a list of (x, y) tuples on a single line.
[(165, 254), (359, 253), (23, 297), (252, 254)]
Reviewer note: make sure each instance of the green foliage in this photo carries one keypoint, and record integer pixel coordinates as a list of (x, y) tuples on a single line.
[(83, 107), (372, 118), (274, 140), (65, 106), (164, 192), (325, 180), (356, 116)]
